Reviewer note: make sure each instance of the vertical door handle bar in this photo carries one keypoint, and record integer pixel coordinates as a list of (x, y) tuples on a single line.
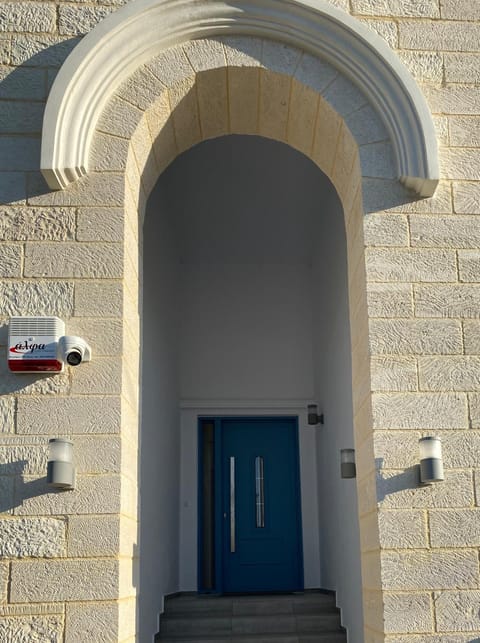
[(232, 504)]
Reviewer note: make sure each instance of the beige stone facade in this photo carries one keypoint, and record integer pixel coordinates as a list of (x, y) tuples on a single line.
[(69, 560)]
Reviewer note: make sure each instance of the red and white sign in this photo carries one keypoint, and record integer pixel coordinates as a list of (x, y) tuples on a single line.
[(33, 344)]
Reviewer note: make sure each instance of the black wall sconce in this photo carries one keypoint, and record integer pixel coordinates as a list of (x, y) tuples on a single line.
[(313, 417)]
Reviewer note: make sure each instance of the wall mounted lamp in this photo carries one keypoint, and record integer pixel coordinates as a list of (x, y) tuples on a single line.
[(431, 461), (348, 467), (313, 417), (60, 469)]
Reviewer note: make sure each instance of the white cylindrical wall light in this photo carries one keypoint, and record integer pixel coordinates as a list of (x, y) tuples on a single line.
[(348, 468), (431, 461), (60, 469)]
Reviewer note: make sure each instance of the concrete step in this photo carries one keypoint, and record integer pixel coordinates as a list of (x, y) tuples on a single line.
[(324, 637)]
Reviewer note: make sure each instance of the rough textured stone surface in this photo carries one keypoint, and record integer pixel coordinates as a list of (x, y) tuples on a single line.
[(460, 164), (474, 406), (457, 99), (81, 19), (386, 29), (36, 298), (20, 153), (68, 415), (96, 260), (21, 117), (462, 68), (401, 8), (40, 50), (458, 528), (7, 410), (32, 629), (458, 611), (32, 537), (98, 454), (385, 230), (93, 536), (393, 373), (10, 260), (26, 84), (31, 17), (92, 622), (39, 224), (425, 66), (422, 570), (402, 529), (460, 10), (389, 300), (449, 373), (64, 580), (408, 613), (410, 265), (100, 224), (465, 130), (12, 187), (101, 376), (451, 232), (3, 581), (466, 198), (418, 337), (469, 265), (454, 300), (419, 410), (98, 299), (97, 189), (434, 36)]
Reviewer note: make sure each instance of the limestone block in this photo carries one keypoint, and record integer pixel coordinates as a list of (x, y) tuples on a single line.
[(33, 609), (76, 20), (474, 405), (459, 528), (243, 95), (452, 232), (373, 613), (396, 264), (68, 415), (5, 49), (440, 203), (469, 265), (455, 99), (457, 611), (386, 29), (32, 17), (32, 538), (366, 126), (385, 230), (462, 68), (23, 84), (449, 373), (160, 124), (302, 117), (104, 336), (36, 298), (459, 10), (39, 224), (18, 117), (29, 459), (465, 130), (205, 54), (441, 128), (400, 8), (460, 164), (4, 574), (456, 300), (100, 224), (439, 36), (98, 299), (10, 260), (396, 449), (19, 153), (419, 410), (402, 529), (101, 376), (171, 67), (400, 490), (108, 153), (87, 260), (96, 189), (90, 536), (142, 88), (389, 300), (6, 499), (426, 638), (34, 384), (92, 494), (274, 102), (92, 622), (186, 120), (424, 66), (466, 198), (327, 132), (26, 629), (242, 51), (41, 50), (97, 454), (429, 569), (119, 118), (7, 410), (344, 96), (12, 187), (408, 612), (213, 102), (64, 580), (280, 58), (314, 73), (393, 373), (417, 337)]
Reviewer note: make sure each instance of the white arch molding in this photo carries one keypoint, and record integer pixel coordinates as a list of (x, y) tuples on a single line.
[(142, 29)]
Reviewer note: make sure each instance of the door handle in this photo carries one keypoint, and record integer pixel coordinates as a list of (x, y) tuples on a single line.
[(232, 504)]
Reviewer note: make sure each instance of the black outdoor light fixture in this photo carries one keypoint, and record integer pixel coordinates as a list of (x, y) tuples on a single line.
[(431, 460), (60, 469), (313, 417)]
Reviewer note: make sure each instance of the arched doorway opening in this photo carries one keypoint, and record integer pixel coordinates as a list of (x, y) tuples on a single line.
[(245, 314)]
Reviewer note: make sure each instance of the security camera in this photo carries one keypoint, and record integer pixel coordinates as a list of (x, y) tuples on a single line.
[(74, 350)]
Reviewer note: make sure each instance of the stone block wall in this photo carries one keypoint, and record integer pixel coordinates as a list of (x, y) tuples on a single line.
[(66, 558)]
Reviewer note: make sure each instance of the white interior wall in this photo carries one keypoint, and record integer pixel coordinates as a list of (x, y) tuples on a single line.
[(252, 222)]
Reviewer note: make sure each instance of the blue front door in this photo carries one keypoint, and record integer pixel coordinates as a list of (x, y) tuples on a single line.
[(261, 539)]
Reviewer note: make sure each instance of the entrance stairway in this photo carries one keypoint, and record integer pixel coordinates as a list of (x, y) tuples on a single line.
[(294, 618)]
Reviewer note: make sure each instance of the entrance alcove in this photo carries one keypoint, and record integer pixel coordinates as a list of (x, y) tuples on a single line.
[(245, 313)]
